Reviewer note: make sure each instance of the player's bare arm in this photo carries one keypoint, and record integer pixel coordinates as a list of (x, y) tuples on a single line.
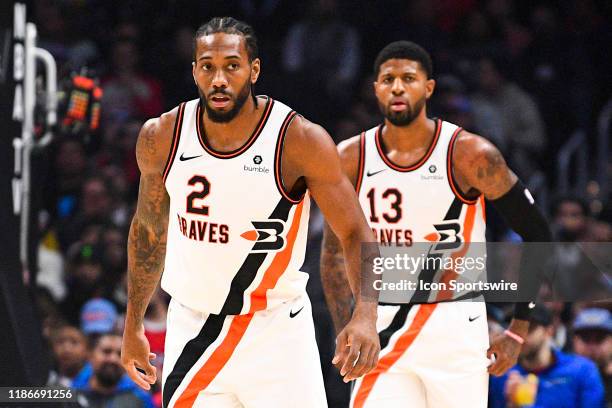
[(479, 168), (358, 342), (146, 244), (336, 286)]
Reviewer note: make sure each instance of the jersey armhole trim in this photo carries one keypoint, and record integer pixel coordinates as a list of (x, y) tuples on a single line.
[(449, 170), (176, 135), (279, 156), (360, 162)]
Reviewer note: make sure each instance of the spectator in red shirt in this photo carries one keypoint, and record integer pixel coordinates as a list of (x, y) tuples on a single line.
[(129, 93)]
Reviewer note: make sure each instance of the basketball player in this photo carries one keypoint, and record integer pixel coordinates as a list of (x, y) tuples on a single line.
[(412, 174), (223, 211)]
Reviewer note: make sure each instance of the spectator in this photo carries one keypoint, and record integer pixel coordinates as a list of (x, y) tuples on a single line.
[(563, 380), (128, 93), (98, 316), (363, 114), (570, 217), (85, 279), (66, 178), (576, 276), (323, 41), (176, 72), (103, 382), (95, 208), (519, 130), (70, 352), (593, 339)]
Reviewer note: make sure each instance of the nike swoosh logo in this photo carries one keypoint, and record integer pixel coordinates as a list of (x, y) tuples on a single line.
[(471, 319), (183, 158), (292, 315), (372, 173)]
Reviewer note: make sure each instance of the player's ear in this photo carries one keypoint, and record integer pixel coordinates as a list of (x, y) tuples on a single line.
[(255, 69), (193, 68), (429, 87)]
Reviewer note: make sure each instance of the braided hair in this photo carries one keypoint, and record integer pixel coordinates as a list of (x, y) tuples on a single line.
[(230, 25)]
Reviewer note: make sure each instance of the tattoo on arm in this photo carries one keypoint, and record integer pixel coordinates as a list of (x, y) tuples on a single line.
[(148, 231), (489, 173), (334, 279)]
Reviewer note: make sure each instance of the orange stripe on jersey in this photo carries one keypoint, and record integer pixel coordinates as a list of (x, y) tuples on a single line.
[(468, 226), (217, 360), (279, 264), (484, 208), (400, 347)]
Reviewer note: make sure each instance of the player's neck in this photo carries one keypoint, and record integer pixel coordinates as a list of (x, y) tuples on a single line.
[(220, 134), (418, 134)]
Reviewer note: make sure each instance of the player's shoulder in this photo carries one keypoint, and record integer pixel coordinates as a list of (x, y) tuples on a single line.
[(470, 148), (349, 149), (155, 140), (306, 131)]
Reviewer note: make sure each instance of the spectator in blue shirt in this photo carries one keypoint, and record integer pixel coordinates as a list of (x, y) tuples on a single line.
[(103, 382), (563, 380)]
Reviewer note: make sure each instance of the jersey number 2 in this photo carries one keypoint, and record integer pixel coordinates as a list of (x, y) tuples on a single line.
[(198, 194)]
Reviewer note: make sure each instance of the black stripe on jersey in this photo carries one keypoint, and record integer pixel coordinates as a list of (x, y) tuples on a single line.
[(398, 321), (176, 135), (454, 211), (278, 160), (249, 268), (426, 275), (360, 162), (190, 354)]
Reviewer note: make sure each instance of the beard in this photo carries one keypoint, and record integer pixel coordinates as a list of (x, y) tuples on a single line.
[(224, 117), (402, 118), (109, 375)]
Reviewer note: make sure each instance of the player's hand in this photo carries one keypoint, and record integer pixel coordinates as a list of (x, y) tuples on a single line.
[(357, 345), (136, 355), (506, 349)]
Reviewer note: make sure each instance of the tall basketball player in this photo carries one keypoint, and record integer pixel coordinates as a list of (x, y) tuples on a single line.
[(223, 210), (412, 173)]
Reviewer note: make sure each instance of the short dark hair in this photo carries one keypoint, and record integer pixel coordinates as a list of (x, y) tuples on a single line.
[(94, 340), (229, 25), (404, 50), (559, 201)]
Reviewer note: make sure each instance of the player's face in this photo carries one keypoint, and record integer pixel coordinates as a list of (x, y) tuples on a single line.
[(402, 89), (223, 74)]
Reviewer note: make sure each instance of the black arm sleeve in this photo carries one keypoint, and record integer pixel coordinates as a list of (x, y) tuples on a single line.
[(518, 209)]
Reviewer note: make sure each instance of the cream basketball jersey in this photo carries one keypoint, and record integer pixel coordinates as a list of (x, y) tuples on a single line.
[(419, 203), (236, 239)]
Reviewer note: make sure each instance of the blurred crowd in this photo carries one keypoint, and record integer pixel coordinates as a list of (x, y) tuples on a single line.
[(524, 74)]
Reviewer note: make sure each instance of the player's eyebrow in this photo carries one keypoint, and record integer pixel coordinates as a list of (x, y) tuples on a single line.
[(207, 57)]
